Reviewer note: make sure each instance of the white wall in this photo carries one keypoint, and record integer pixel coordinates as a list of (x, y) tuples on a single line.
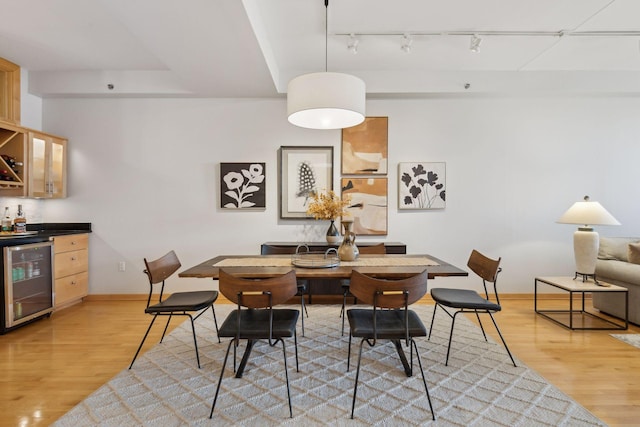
[(145, 173), (30, 105)]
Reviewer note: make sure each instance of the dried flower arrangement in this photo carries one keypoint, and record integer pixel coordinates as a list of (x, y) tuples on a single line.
[(328, 206)]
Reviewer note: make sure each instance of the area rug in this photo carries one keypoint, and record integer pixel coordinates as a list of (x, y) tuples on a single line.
[(632, 339), (480, 387)]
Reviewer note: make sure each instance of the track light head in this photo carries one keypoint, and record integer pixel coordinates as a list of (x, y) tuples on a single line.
[(352, 46), (474, 46), (407, 41)]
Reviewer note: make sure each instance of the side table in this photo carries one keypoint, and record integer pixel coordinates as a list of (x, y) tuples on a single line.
[(577, 286)]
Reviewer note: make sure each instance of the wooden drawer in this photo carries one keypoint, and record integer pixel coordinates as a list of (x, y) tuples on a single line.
[(71, 242), (72, 262), (71, 288)]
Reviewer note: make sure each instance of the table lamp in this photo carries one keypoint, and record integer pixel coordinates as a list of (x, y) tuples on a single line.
[(585, 240)]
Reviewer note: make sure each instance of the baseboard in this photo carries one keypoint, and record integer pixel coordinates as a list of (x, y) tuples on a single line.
[(327, 299)]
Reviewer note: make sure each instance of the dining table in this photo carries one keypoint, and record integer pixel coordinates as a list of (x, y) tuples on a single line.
[(323, 266), (387, 266)]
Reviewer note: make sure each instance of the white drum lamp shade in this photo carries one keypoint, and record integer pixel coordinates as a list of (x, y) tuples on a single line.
[(326, 100), (585, 240)]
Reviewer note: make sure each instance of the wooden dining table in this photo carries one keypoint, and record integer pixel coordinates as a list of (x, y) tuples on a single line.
[(388, 266)]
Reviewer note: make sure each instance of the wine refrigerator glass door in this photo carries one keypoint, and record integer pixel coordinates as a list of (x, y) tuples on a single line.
[(28, 282)]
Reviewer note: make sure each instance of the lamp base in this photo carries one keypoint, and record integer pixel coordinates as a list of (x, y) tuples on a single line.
[(585, 277)]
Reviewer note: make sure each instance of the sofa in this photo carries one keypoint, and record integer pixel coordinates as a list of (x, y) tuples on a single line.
[(619, 263)]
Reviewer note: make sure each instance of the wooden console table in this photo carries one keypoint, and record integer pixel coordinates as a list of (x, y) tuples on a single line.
[(390, 247)]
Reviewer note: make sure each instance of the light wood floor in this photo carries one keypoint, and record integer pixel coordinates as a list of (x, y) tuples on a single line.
[(51, 365)]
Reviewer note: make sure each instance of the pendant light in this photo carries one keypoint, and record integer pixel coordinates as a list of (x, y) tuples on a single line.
[(326, 100)]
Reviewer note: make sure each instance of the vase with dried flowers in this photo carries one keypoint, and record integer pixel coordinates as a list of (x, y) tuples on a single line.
[(329, 206)]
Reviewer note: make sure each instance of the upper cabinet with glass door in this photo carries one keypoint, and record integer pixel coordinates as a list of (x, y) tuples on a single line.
[(47, 166)]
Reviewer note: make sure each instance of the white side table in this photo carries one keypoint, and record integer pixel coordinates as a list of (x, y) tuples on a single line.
[(577, 286)]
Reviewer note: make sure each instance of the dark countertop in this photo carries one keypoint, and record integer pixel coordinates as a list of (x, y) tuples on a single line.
[(45, 231)]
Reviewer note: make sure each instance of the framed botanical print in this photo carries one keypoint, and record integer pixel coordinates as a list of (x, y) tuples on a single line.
[(368, 206), (365, 147), (303, 171), (422, 185), (242, 186)]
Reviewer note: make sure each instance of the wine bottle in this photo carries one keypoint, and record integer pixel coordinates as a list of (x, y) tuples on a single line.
[(6, 221)]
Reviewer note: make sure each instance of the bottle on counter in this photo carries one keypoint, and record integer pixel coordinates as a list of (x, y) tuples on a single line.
[(6, 221), (20, 222)]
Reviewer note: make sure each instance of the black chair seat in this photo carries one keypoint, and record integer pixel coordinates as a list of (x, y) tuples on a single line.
[(462, 298), (255, 324), (390, 324), (185, 301)]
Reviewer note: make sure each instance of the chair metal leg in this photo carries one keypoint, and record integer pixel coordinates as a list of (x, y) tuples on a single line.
[(215, 321), (342, 312), (433, 318), (426, 389), (286, 374), (349, 352), (480, 323), (195, 340), (224, 364), (453, 323), (355, 387), (143, 340), (303, 308), (503, 341), (295, 342), (165, 328)]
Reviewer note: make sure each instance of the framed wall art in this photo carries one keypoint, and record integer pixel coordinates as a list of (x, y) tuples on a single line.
[(368, 206), (242, 186), (365, 147), (303, 171), (422, 185)]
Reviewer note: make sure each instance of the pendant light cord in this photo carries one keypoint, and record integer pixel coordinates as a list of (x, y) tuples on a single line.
[(326, 34)]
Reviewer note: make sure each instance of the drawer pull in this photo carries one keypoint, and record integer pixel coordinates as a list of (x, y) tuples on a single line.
[(73, 258), (73, 282), (73, 242)]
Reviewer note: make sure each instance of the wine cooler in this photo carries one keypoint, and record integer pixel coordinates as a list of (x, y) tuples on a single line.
[(28, 284)]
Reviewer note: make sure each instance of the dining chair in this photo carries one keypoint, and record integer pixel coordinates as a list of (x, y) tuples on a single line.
[(256, 318), (178, 303), (378, 249), (303, 285), (469, 301), (389, 319)]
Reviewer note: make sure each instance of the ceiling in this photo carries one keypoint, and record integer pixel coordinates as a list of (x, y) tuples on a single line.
[(252, 48)]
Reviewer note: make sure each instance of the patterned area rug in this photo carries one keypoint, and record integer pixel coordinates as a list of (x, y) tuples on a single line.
[(480, 387), (632, 339)]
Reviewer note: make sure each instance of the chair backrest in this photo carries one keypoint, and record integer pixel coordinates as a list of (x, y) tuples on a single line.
[(487, 269), (388, 293), (261, 293), (378, 249), (159, 270)]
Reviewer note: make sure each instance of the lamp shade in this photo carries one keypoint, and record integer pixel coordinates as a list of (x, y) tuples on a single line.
[(587, 213), (326, 100)]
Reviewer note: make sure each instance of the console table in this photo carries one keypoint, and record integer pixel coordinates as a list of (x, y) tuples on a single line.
[(390, 247)]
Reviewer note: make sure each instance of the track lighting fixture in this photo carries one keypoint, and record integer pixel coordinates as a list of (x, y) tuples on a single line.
[(475, 43), (407, 41), (352, 46)]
